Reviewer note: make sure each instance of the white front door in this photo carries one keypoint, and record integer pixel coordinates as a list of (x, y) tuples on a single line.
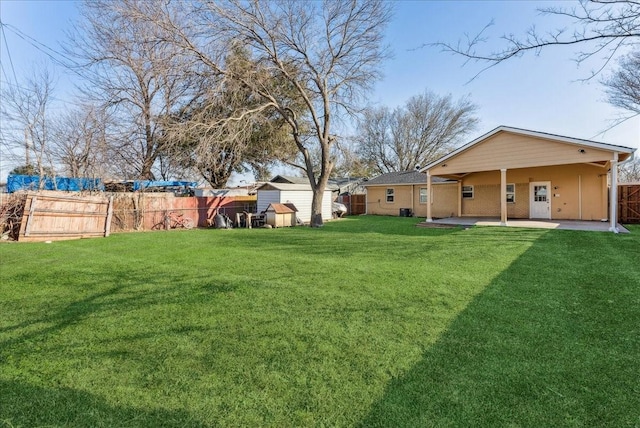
[(540, 199)]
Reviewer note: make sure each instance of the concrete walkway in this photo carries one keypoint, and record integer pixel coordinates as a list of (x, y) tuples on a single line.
[(597, 226)]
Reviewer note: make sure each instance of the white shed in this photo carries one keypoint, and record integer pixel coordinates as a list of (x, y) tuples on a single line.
[(299, 195)]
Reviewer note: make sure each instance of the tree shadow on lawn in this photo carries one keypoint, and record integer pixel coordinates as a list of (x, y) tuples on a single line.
[(552, 341), (27, 405), (128, 292), (50, 339)]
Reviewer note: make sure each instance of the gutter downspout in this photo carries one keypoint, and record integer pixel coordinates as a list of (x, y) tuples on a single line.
[(629, 159)]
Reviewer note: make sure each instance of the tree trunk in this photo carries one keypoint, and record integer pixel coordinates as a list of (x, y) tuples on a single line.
[(316, 206)]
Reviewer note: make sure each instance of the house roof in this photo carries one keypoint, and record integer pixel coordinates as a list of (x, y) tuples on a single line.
[(351, 185), (285, 186), (279, 209), (289, 179), (402, 177), (288, 187), (535, 134)]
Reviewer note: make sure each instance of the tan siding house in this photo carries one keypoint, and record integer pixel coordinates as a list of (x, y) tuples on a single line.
[(516, 173), (390, 193)]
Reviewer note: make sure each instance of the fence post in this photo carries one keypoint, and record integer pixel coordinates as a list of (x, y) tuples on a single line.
[(107, 225), (32, 209)]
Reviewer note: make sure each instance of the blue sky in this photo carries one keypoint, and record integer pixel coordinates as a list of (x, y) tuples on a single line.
[(543, 93)]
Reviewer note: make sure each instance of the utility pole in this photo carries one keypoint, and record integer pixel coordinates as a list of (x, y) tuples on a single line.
[(27, 147)]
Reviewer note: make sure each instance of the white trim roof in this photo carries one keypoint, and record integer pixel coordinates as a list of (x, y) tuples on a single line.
[(403, 178), (529, 133), (286, 186)]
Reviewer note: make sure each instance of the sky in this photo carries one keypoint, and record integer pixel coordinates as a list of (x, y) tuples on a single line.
[(545, 92)]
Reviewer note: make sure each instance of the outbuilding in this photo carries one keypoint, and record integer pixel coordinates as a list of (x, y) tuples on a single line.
[(299, 195), (280, 215)]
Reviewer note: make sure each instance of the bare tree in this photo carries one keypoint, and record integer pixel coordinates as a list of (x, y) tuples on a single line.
[(630, 172), (139, 79), (424, 129), (328, 52), (623, 86), (26, 122), (598, 27), (349, 164), (80, 142), (623, 91)]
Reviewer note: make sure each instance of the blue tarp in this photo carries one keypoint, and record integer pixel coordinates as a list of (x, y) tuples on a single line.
[(32, 182), (145, 184)]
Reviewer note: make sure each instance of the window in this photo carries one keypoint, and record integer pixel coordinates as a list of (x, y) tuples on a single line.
[(511, 193), (390, 195), (540, 193), (467, 192), (423, 195)]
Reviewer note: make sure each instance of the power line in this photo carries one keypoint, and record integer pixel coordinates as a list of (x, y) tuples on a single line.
[(48, 51), (4, 36)]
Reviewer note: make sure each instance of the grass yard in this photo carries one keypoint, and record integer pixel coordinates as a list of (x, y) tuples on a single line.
[(367, 322)]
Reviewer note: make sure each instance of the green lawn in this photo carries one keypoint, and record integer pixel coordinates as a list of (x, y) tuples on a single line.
[(368, 321)]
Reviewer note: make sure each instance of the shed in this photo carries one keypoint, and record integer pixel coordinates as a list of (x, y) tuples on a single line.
[(300, 195), (280, 215)]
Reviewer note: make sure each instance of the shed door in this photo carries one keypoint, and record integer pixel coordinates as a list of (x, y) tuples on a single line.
[(540, 202)]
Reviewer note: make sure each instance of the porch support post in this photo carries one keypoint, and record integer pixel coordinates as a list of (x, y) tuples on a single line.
[(613, 195), (413, 197), (503, 197), (429, 198), (459, 198)]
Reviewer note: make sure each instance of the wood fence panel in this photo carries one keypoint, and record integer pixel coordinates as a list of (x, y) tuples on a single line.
[(147, 211), (50, 216), (357, 205), (629, 203)]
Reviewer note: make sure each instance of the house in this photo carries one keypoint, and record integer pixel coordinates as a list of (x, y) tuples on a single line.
[(299, 195), (518, 173), (405, 193)]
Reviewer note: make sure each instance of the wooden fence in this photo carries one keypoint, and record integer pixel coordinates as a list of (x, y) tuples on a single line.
[(629, 203), (51, 215), (147, 211), (356, 204), (48, 216)]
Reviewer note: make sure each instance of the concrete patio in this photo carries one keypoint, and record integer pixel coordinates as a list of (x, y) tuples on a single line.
[(595, 226)]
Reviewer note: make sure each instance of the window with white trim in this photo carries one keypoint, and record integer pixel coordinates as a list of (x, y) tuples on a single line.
[(467, 192), (424, 195), (390, 195), (511, 193)]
